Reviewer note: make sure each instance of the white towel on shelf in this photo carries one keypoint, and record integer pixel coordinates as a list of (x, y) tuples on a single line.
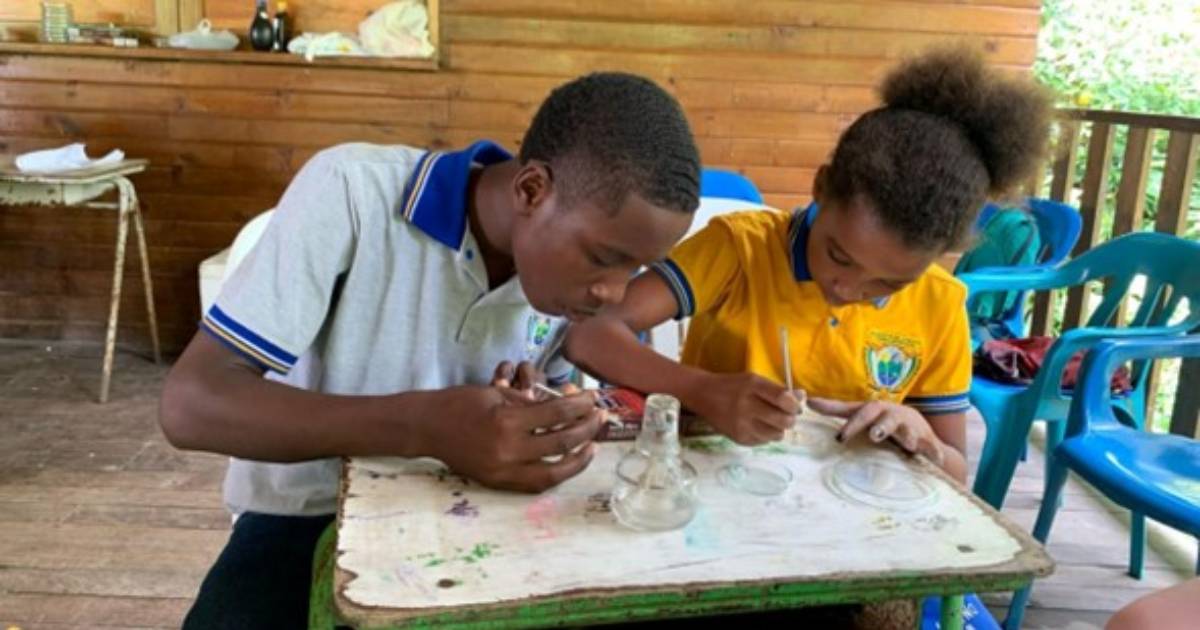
[(69, 158)]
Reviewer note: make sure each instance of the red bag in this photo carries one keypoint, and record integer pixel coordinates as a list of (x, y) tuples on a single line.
[(1017, 361)]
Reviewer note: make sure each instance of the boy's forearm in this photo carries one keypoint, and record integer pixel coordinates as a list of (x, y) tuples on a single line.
[(607, 348), (229, 408)]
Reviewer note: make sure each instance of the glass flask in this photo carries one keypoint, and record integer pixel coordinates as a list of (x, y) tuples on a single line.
[(656, 488)]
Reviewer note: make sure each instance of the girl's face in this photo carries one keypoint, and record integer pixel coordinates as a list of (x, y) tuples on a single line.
[(853, 257)]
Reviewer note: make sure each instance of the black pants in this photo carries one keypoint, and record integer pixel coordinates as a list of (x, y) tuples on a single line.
[(261, 579)]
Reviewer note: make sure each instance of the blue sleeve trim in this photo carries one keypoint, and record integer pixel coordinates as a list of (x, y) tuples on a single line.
[(940, 405), (246, 342), (678, 284)]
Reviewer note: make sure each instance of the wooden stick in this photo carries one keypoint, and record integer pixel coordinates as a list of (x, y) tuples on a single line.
[(787, 356), (554, 393)]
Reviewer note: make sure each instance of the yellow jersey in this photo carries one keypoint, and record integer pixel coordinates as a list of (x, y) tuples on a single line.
[(745, 276)]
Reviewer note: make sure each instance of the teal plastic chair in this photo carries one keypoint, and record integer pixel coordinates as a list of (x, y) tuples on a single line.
[(1059, 226), (1169, 266), (1151, 474)]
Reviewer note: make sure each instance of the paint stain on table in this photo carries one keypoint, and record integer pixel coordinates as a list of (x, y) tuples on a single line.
[(482, 551), (542, 514), (463, 509)]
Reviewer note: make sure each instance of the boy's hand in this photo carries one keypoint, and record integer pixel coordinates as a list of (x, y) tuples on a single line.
[(520, 377), (746, 408), (488, 434), (882, 420), (523, 377)]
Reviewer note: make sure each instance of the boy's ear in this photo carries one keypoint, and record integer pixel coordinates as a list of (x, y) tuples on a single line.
[(532, 186)]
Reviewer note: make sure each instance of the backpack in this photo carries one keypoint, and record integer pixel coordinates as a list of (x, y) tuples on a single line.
[(1010, 238)]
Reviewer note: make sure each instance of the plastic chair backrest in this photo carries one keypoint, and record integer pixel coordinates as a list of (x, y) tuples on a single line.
[(1059, 226), (728, 185), (1168, 264), (245, 240), (1092, 406)]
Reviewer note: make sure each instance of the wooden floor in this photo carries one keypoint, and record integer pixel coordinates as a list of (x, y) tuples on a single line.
[(106, 526), (1090, 546)]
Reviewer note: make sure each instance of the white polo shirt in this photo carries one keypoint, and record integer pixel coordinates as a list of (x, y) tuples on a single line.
[(367, 281)]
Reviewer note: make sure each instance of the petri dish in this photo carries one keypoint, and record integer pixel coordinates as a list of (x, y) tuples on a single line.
[(879, 483), (756, 475)]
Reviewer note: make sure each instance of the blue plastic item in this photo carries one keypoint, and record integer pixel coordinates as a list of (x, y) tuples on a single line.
[(1152, 474), (1168, 265), (1059, 226), (729, 185), (975, 614)]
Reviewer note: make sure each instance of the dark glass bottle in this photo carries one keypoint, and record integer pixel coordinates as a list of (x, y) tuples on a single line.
[(262, 36), (283, 30)]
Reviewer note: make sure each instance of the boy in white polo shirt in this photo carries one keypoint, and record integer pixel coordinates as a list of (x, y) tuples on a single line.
[(388, 286)]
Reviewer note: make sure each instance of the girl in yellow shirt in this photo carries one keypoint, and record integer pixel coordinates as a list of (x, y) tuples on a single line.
[(878, 333)]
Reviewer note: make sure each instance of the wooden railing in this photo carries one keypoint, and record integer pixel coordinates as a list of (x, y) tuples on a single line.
[(1128, 207)]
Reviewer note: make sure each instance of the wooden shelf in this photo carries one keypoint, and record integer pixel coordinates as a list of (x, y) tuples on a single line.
[(243, 57)]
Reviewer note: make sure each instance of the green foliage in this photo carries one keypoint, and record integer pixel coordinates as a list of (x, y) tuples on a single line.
[(1129, 55), (1126, 55)]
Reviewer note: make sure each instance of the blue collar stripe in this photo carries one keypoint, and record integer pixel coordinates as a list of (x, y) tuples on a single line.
[(416, 184), (435, 196), (802, 221)]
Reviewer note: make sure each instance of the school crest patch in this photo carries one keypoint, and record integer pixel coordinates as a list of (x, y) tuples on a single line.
[(892, 361), (537, 335)]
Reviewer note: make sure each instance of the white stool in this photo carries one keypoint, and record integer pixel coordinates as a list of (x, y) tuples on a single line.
[(81, 188)]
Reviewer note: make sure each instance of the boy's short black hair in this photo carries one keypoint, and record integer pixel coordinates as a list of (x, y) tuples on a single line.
[(610, 134), (951, 133)]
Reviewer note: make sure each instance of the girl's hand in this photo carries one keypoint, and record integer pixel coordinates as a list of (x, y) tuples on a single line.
[(882, 420), (746, 408)]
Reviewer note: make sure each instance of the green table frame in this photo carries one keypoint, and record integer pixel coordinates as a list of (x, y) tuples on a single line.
[(604, 608)]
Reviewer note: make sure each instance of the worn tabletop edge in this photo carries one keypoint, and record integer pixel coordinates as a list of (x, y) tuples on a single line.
[(1030, 561)]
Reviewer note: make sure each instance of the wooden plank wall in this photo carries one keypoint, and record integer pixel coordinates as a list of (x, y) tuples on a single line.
[(767, 85)]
